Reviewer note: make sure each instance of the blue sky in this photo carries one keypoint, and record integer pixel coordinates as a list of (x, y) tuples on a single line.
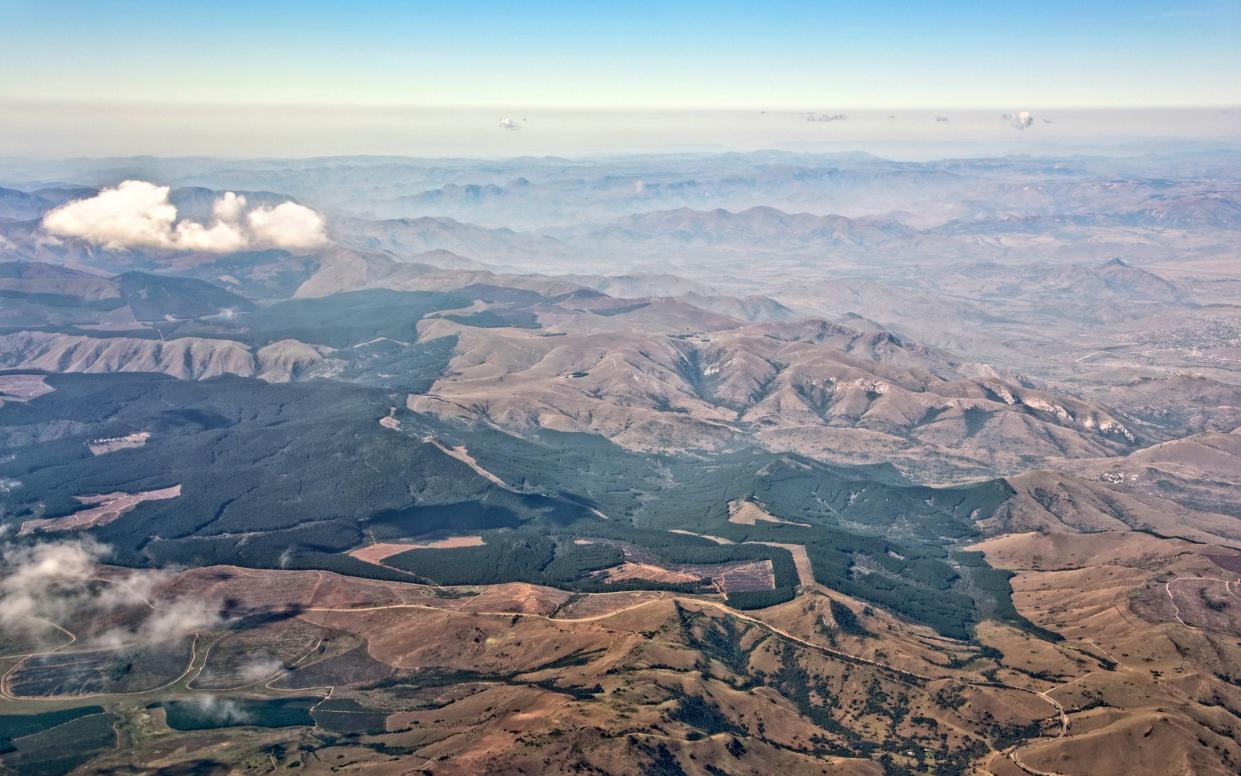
[(632, 55)]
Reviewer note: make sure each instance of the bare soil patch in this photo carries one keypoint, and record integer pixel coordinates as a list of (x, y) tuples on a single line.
[(726, 577), (746, 512), (716, 539), (107, 507), (378, 552), (22, 387), (647, 571)]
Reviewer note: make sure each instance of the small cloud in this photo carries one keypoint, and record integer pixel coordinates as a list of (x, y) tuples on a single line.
[(138, 214), (44, 582), (258, 669), (46, 585), (509, 124), (287, 225), (220, 710), (1022, 119)]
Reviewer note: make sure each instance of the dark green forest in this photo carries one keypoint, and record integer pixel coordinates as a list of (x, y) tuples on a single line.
[(295, 475)]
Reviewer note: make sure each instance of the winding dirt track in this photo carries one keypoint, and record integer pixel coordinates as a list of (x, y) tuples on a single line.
[(1176, 610)]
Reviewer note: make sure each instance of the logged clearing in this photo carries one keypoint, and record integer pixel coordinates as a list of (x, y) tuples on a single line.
[(450, 543), (22, 387), (754, 575), (463, 455), (805, 574), (112, 444), (716, 539), (726, 577), (378, 552), (747, 512), (647, 571), (107, 507)]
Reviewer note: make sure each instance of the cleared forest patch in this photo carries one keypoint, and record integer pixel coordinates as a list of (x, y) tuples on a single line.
[(106, 508)]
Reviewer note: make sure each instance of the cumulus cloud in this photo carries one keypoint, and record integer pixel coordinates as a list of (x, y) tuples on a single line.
[(287, 225), (134, 214), (1020, 120), (49, 586), (138, 214), (229, 208)]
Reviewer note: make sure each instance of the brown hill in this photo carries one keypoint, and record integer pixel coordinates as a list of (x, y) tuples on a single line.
[(795, 386)]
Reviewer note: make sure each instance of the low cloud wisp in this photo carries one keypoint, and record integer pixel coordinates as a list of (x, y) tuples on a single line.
[(47, 585), (138, 214)]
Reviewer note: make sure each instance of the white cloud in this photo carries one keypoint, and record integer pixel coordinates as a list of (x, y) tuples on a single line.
[(1020, 120), (220, 237), (260, 668), (44, 582), (509, 124), (134, 214), (221, 710), (51, 585), (138, 214), (229, 207), (287, 225)]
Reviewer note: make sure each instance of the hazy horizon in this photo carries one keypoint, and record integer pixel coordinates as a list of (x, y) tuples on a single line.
[(73, 130), (484, 79)]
